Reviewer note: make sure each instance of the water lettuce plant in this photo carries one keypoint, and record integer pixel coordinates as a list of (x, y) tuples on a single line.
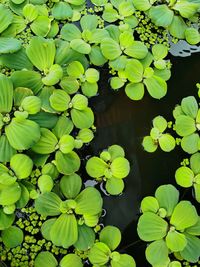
[(103, 252), (172, 227), (51, 57), (158, 137), (188, 176), (76, 207), (112, 167)]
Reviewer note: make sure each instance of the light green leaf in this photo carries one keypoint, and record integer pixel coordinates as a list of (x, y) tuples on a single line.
[(149, 204), (156, 87), (62, 11), (178, 27), (12, 237), (86, 238), (157, 253), (184, 215), (120, 167), (45, 258), (41, 26), (22, 134), (110, 49), (82, 118), (124, 260), (191, 253), (135, 91), (6, 17), (9, 45), (176, 241), (71, 260), (167, 196), (167, 142), (48, 204), (111, 236), (67, 163), (137, 50), (192, 36), (96, 167), (89, 202), (185, 125), (54, 75), (151, 227), (160, 123), (114, 186), (184, 177), (189, 106), (64, 231), (10, 194), (59, 100), (80, 46), (21, 165), (190, 143), (149, 144), (142, 5), (6, 94), (99, 254), (134, 71), (161, 15), (71, 185)]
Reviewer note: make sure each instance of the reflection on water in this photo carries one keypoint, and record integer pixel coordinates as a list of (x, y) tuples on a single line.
[(124, 122)]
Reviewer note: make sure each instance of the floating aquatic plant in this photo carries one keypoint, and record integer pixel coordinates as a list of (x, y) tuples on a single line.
[(111, 167), (171, 227), (103, 251)]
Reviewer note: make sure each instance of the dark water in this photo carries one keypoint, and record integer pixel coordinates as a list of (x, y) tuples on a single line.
[(124, 122)]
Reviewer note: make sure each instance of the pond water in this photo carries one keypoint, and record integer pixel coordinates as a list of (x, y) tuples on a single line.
[(124, 122)]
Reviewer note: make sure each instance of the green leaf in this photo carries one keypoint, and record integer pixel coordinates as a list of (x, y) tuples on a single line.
[(197, 192), (156, 87), (46, 228), (30, 12), (191, 252), (31, 104), (110, 14), (6, 150), (6, 220), (10, 194), (21, 165), (71, 260), (24, 198), (99, 254), (64, 231), (111, 236), (80, 46), (161, 15), (160, 123), (159, 51), (66, 144), (82, 118), (134, 71), (178, 27), (149, 144), (167, 196), (71, 185), (6, 94), (114, 186), (54, 75), (48, 204), (124, 260), (44, 119), (70, 32), (89, 202), (89, 22), (27, 79), (195, 229), (120, 167), (149, 204), (157, 253), (189, 106), (184, 177), (96, 167), (79, 102), (135, 91), (47, 142), (185, 125), (137, 50), (192, 36), (45, 183), (190, 143), (45, 258), (59, 100), (116, 151), (176, 241), (194, 163), (6, 17), (62, 11), (63, 126), (186, 9), (167, 142), (41, 52), (12, 237), (22, 134), (110, 49), (142, 5), (184, 215), (9, 45), (151, 227), (67, 163), (86, 238), (41, 26)]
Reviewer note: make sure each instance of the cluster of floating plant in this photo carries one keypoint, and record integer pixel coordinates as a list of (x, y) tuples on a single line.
[(50, 56)]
